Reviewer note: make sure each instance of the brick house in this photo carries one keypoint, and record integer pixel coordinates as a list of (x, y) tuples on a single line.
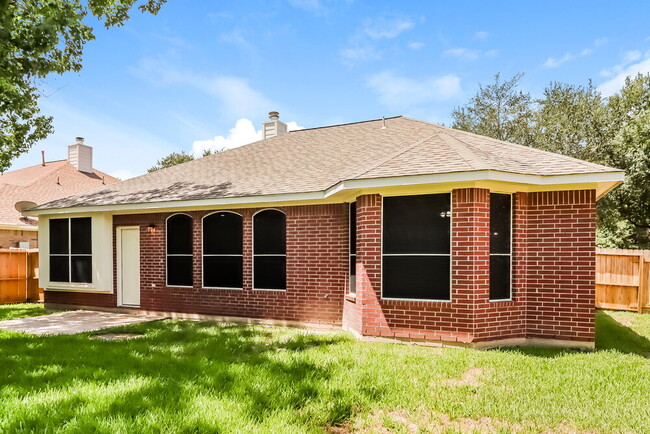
[(43, 183), (395, 228)]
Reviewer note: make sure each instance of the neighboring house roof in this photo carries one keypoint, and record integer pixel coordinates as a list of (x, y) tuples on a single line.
[(318, 159), (41, 184)]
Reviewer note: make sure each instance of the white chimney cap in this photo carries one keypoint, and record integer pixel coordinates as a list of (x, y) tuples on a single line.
[(79, 140), (274, 116)]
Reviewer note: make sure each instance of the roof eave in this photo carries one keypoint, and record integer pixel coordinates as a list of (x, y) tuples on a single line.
[(608, 180)]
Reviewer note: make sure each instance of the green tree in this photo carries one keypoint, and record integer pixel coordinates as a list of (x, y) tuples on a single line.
[(39, 38), (572, 120), (178, 158), (499, 110)]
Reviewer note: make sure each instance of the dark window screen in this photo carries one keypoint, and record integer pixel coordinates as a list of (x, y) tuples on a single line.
[(269, 247), (353, 228), (500, 216), (499, 277), (179, 270), (81, 269), (222, 271), (270, 272), (59, 236), (59, 268), (416, 247), (417, 224), (81, 236), (416, 277), (500, 250), (179, 250), (179, 235), (222, 234), (71, 250), (270, 232)]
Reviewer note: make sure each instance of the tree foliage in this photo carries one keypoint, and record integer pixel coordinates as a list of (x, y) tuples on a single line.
[(39, 38), (577, 121), (178, 158)]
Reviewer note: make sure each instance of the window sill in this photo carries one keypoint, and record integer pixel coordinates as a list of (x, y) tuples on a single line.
[(269, 290), (221, 288), (418, 300), (351, 297), (82, 287)]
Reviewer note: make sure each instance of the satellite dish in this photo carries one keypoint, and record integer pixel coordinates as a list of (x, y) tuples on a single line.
[(23, 205)]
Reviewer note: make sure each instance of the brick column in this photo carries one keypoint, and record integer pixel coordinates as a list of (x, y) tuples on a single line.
[(561, 265), (470, 257)]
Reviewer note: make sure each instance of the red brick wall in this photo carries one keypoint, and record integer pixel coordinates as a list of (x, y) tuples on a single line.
[(317, 266), (80, 298), (561, 265)]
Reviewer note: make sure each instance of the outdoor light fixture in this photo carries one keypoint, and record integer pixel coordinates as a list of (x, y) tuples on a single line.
[(151, 228)]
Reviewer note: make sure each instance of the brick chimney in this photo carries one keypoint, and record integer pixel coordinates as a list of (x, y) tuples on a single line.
[(273, 127), (81, 156)]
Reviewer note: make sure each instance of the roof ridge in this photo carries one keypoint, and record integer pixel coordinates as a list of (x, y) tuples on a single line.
[(464, 151), (395, 155), (345, 124), (35, 180), (505, 142)]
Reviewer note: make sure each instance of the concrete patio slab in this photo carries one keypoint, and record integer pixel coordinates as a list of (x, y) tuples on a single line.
[(73, 322)]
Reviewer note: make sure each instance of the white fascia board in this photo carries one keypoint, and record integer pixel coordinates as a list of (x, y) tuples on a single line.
[(13, 227), (479, 175)]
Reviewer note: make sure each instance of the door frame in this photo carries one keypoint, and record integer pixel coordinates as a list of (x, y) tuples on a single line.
[(118, 240)]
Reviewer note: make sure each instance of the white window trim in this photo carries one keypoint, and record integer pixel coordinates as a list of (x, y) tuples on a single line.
[(167, 255), (450, 254), (512, 223), (70, 254), (270, 254), (203, 255)]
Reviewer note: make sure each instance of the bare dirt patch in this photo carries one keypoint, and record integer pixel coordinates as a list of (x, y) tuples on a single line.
[(433, 422), (471, 377)]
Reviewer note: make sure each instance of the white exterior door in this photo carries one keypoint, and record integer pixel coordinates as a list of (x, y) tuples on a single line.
[(128, 263)]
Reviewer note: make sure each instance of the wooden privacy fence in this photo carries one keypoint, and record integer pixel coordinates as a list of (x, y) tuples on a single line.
[(623, 279), (19, 276)]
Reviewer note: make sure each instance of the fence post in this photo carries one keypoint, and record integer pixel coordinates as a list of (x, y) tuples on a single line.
[(642, 284)]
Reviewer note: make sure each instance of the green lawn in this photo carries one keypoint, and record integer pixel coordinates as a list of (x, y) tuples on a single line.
[(187, 376), (22, 310)]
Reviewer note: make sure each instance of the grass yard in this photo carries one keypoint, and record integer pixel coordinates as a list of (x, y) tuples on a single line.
[(184, 376), (22, 310)]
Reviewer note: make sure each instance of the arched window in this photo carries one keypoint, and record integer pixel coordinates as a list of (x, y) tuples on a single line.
[(270, 250), (222, 250), (179, 250)]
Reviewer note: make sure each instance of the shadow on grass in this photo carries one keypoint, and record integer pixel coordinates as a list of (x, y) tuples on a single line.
[(610, 335), (166, 372)]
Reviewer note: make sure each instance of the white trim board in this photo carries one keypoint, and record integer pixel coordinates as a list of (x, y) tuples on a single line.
[(613, 178)]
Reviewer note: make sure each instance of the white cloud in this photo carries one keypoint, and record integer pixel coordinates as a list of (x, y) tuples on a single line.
[(122, 174), (242, 133), (600, 41), (553, 62), (386, 28), (313, 6), (236, 97), (468, 54), (556, 62), (360, 53), (482, 35), (400, 92), (415, 46), (614, 84), (632, 56)]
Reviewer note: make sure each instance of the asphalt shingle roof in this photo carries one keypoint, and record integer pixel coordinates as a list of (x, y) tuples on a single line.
[(315, 159), (41, 184)]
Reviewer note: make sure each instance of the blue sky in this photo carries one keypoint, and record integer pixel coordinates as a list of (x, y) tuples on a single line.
[(205, 73)]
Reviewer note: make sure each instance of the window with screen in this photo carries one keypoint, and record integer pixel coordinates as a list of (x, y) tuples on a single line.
[(269, 250), (353, 248), (416, 247), (71, 250), (500, 246), (179, 250), (223, 250)]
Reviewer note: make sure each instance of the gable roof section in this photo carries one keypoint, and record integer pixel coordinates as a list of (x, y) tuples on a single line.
[(315, 160), (41, 184)]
